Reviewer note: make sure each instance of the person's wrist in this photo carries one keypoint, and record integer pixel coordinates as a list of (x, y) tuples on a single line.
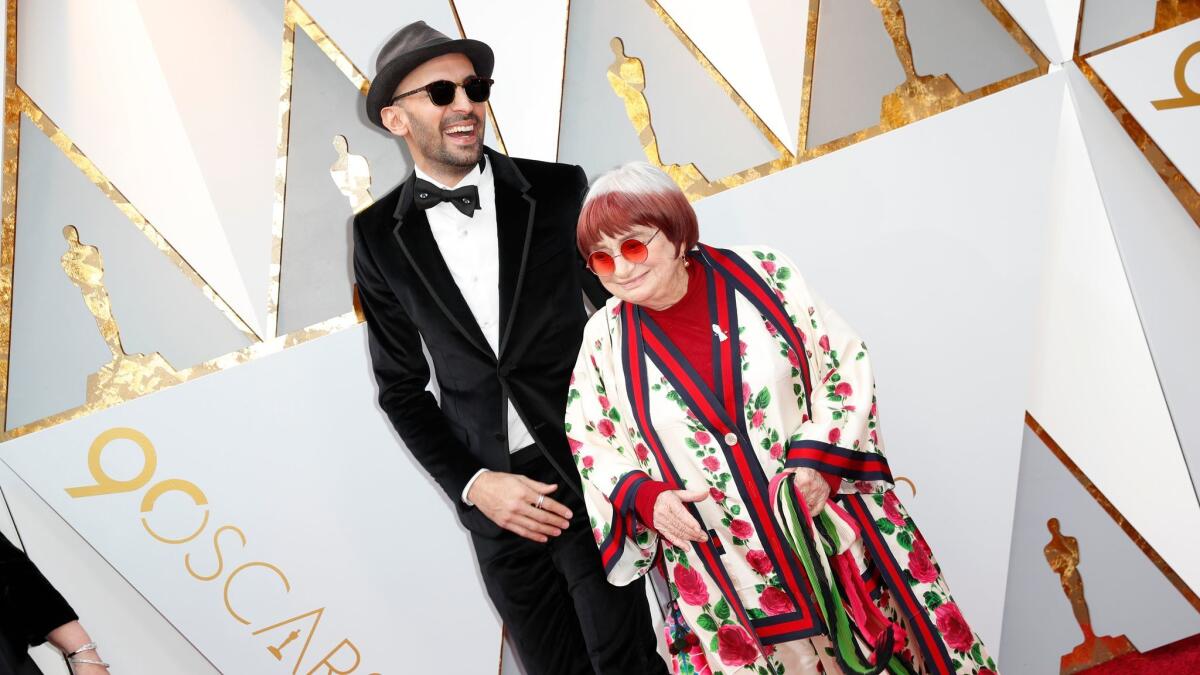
[(81, 665), (470, 487), (84, 659), (86, 648)]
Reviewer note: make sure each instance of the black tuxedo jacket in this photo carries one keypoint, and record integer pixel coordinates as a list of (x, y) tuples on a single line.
[(407, 293)]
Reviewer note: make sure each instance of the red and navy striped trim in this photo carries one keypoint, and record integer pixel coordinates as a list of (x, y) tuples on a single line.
[(634, 365), (726, 347), (929, 640), (633, 360), (746, 471), (624, 494), (613, 544), (782, 628), (746, 280), (848, 464)]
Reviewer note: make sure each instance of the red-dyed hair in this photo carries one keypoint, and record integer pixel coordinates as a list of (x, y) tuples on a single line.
[(612, 210)]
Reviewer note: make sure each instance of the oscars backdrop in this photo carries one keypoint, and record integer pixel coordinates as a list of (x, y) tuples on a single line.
[(1000, 195)]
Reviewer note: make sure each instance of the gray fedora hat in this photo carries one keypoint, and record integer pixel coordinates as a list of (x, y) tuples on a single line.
[(411, 46)]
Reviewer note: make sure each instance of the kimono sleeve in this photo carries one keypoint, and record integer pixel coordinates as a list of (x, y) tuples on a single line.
[(839, 433), (607, 457)]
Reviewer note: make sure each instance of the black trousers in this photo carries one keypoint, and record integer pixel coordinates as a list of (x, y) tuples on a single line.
[(559, 609)]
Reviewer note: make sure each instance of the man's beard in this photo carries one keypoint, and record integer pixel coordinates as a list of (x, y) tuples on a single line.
[(435, 147)]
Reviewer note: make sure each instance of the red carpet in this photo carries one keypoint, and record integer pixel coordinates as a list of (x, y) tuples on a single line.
[(1177, 658)]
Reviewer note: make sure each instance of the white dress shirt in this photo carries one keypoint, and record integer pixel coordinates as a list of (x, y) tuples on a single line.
[(470, 247)]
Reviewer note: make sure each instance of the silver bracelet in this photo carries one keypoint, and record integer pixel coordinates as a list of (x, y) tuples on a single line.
[(92, 662), (84, 648)]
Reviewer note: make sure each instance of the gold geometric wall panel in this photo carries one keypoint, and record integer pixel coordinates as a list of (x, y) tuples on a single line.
[(127, 376), (919, 95)]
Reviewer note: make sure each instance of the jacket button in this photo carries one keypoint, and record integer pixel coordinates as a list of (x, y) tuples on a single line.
[(500, 436), (731, 439), (504, 370)]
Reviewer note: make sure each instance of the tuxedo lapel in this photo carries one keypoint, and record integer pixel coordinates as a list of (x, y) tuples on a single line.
[(515, 211), (415, 237)]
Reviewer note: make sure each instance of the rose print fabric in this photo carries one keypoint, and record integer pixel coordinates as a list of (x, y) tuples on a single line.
[(792, 387)]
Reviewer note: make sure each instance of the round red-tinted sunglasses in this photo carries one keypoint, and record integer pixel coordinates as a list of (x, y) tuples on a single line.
[(603, 265)]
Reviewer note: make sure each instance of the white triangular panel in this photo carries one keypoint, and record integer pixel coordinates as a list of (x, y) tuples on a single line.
[(1064, 17), (1095, 388), (783, 30), (1144, 72), (93, 69), (226, 94), (269, 489), (1034, 18), (529, 40), (766, 70), (1159, 244), (132, 635)]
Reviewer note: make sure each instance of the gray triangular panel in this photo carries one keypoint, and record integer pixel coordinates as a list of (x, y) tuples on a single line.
[(1107, 22), (855, 67), (316, 276), (695, 121), (963, 40), (1126, 593), (55, 341), (856, 63)]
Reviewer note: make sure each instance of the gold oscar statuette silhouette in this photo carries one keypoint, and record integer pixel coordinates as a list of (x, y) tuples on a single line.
[(919, 96), (1062, 553), (627, 77), (126, 375), (277, 652), (352, 175)]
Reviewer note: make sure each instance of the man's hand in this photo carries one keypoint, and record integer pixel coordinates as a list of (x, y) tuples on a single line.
[(672, 520), (508, 499), (814, 488)]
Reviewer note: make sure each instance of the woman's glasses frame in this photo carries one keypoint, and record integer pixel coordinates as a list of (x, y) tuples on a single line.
[(634, 250)]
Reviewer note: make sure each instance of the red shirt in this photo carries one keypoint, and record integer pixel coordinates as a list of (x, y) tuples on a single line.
[(688, 325)]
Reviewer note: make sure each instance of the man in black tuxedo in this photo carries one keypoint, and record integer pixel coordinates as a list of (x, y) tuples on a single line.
[(475, 253)]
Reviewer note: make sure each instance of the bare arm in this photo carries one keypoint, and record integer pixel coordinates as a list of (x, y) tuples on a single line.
[(68, 638)]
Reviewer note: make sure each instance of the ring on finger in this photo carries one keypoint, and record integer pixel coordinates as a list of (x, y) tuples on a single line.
[(538, 504)]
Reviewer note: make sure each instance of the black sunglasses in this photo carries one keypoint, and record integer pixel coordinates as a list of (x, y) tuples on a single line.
[(442, 92)]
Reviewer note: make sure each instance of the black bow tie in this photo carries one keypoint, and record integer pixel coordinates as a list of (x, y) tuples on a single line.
[(465, 199)]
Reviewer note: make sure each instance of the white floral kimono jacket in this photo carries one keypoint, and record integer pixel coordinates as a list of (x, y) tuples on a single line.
[(793, 389)]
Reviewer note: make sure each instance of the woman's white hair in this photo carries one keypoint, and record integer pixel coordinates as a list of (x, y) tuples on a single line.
[(633, 178)]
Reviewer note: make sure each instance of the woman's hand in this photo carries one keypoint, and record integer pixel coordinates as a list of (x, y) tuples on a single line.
[(814, 488), (672, 520)]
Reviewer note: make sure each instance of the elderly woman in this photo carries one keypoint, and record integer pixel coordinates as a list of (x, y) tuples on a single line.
[(710, 373)]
